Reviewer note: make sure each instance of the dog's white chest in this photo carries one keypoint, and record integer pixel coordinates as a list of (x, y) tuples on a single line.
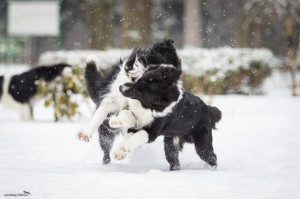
[(143, 116), (115, 97)]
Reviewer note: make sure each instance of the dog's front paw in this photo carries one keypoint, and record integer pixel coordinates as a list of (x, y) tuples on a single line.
[(121, 153), (82, 136), (114, 122)]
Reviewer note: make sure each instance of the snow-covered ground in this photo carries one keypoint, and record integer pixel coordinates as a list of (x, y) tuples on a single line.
[(258, 147)]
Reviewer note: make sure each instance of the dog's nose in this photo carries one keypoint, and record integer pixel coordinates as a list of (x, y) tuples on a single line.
[(123, 88)]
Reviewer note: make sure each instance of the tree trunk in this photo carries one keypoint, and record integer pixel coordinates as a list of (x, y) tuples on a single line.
[(242, 28), (136, 23), (257, 35), (193, 23), (100, 22)]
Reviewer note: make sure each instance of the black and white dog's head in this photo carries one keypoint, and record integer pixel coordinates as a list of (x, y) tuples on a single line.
[(160, 53), (156, 89)]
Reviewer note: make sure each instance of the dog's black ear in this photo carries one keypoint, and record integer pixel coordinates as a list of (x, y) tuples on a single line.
[(169, 73), (174, 73), (166, 44), (130, 60), (169, 41), (135, 51), (133, 54)]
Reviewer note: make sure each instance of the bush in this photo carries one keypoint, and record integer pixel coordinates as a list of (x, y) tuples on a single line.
[(65, 93), (209, 71), (206, 71), (242, 80)]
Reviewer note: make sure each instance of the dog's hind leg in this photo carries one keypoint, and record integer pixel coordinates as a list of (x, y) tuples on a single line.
[(26, 112), (106, 139), (204, 146), (171, 146)]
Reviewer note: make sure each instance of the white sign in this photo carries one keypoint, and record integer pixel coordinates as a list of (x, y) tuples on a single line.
[(33, 18)]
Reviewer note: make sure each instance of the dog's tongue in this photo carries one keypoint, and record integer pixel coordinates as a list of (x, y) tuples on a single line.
[(133, 74)]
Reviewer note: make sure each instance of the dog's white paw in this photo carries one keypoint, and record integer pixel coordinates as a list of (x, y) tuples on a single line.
[(115, 122), (82, 136), (92, 58), (121, 153)]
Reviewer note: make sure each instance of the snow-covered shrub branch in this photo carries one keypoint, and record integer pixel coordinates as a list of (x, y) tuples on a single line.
[(226, 70), (65, 93), (216, 71), (243, 80), (194, 61)]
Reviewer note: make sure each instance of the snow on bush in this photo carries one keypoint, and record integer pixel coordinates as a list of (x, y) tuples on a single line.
[(78, 57), (65, 93), (197, 61), (211, 71), (194, 61)]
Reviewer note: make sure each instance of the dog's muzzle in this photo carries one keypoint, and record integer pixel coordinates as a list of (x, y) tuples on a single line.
[(123, 88)]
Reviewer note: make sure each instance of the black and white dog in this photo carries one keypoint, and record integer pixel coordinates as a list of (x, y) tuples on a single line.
[(19, 90), (159, 106), (104, 91)]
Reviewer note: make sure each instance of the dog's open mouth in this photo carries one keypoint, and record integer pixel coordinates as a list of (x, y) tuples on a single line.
[(134, 73)]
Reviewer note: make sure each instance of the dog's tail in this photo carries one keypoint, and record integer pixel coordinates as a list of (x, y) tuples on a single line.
[(215, 115), (93, 79)]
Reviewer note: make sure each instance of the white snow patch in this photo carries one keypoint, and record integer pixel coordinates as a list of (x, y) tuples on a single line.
[(257, 144)]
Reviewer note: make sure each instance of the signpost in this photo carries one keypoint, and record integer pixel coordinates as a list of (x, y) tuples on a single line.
[(30, 19)]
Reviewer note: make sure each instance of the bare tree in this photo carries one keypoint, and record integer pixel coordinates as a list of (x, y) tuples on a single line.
[(192, 23), (100, 20), (287, 15), (136, 23), (243, 40), (261, 15)]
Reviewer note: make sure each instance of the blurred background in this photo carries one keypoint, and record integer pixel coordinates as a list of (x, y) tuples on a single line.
[(111, 24), (226, 47)]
